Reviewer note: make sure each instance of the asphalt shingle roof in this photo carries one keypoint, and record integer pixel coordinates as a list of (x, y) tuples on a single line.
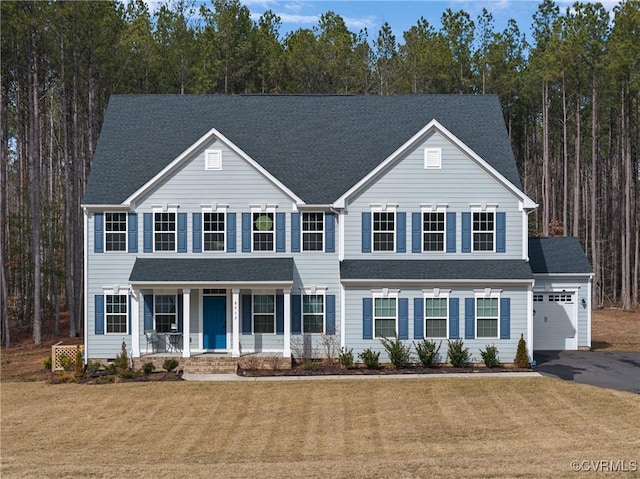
[(558, 255), (319, 146), (212, 269), (435, 269)]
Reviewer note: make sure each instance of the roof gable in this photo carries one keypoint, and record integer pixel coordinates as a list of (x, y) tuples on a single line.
[(318, 146)]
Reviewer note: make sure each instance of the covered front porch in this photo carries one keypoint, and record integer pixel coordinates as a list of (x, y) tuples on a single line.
[(192, 306)]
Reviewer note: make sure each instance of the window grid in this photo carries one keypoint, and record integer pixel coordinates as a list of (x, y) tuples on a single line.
[(538, 298), (313, 313), (213, 230), (165, 312), (312, 231), (264, 314), (384, 230), (436, 315), (164, 228), (487, 317), (433, 227), (263, 232), (116, 313), (384, 317), (115, 231), (483, 231)]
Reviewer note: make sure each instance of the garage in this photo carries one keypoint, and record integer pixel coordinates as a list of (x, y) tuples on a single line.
[(554, 321)]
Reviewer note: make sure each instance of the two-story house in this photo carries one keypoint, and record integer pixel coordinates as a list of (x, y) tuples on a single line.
[(238, 224)]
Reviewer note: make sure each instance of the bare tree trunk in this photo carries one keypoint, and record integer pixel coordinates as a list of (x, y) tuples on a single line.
[(4, 171), (565, 161), (596, 297), (576, 173), (626, 253), (546, 180)]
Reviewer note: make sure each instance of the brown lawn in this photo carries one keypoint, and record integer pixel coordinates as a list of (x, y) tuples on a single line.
[(615, 330)]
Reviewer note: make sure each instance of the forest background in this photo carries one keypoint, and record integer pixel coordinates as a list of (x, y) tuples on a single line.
[(570, 99)]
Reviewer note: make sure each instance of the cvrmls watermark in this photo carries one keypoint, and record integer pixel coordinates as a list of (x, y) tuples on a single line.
[(604, 465)]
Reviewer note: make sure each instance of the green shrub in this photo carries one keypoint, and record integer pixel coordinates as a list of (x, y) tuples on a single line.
[(122, 360), (399, 353), (522, 355), (94, 366), (46, 362), (148, 368), (427, 352), (79, 362), (370, 358), (309, 364), (345, 358), (66, 362), (128, 373), (458, 354), (170, 364), (490, 357)]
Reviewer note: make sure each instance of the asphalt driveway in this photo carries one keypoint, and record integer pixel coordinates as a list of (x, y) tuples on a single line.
[(614, 370)]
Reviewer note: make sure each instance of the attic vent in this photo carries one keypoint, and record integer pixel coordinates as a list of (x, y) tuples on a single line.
[(213, 160), (432, 158)]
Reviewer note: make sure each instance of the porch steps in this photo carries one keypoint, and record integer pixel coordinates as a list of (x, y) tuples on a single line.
[(209, 364)]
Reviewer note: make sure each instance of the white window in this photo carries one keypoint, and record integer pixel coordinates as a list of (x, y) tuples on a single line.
[(487, 313), (384, 230), (264, 230), (213, 160), (432, 158), (115, 231), (313, 311), (436, 313), (538, 298), (213, 230), (165, 230), (165, 312), (313, 231), (385, 313), (116, 314), (484, 230), (264, 313)]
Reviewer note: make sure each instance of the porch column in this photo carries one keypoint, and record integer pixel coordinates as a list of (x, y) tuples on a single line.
[(286, 351), (135, 322), (186, 323), (235, 319)]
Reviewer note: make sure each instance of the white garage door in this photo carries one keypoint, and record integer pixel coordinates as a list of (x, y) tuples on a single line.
[(554, 327)]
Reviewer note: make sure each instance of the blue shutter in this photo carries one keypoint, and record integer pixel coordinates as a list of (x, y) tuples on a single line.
[(403, 318), (231, 232), (129, 311), (295, 232), (329, 233), (454, 318), (98, 232), (148, 232), (366, 232), (197, 233), (367, 318), (132, 228), (281, 229), (418, 318), (401, 246), (466, 232), (182, 232), (180, 311), (501, 225), (331, 313), (99, 314), (279, 313), (148, 311), (246, 313), (469, 318), (416, 232), (246, 232), (296, 314), (505, 318), (451, 232)]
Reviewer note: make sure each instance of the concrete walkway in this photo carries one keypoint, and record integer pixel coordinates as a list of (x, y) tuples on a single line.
[(236, 378)]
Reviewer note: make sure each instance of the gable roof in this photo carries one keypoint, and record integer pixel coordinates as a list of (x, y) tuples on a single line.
[(318, 146), (558, 255)]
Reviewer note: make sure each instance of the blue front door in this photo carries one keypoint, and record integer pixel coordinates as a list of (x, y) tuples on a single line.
[(214, 321)]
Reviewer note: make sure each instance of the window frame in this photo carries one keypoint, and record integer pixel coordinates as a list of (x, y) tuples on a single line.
[(173, 211), (211, 154), (433, 210), (125, 232), (107, 314), (377, 211), (492, 295), (253, 313), (436, 293), (260, 212), (218, 211), (319, 294), (156, 313), (487, 210), (384, 295), (321, 232), (427, 156)]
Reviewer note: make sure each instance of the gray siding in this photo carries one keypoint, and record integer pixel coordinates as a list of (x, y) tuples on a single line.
[(460, 182)]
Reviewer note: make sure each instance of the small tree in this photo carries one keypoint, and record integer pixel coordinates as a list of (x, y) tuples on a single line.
[(458, 354), (345, 358), (122, 360), (522, 355), (490, 356), (399, 353), (427, 351), (79, 362), (370, 358)]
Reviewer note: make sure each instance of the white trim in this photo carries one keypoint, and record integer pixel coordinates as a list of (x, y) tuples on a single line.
[(104, 231), (486, 293), (435, 281), (235, 318), (85, 261), (164, 210), (186, 323), (273, 294), (530, 307), (340, 240), (116, 291), (434, 125), (384, 293), (589, 314), (218, 209), (435, 293), (302, 232), (266, 209), (286, 347), (431, 208), (320, 291), (484, 208), (135, 322), (201, 320), (433, 158), (343, 315), (212, 159), (201, 142), (384, 208)]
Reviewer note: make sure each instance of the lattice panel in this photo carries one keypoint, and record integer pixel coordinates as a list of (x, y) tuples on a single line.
[(59, 351)]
